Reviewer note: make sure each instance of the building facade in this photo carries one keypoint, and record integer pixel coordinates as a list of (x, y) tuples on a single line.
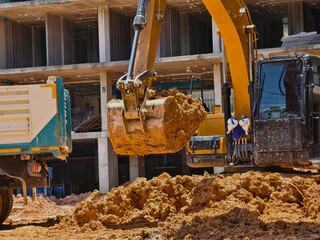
[(88, 44)]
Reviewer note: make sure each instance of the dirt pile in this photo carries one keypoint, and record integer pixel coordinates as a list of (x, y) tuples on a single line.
[(170, 119), (36, 210), (250, 205), (71, 200)]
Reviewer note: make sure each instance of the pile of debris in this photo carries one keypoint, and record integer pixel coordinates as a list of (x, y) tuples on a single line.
[(72, 199), (40, 209), (248, 205), (300, 39)]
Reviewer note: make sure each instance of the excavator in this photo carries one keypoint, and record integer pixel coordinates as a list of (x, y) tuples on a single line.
[(275, 120)]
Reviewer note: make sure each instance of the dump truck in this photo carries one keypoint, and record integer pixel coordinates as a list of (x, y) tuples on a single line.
[(35, 125), (275, 120)]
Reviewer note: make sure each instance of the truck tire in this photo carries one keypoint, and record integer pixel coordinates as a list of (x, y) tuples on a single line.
[(5, 204)]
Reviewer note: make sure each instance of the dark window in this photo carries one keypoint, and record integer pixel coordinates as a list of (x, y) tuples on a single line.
[(280, 90)]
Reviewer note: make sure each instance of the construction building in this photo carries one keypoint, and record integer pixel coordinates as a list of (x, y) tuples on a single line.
[(88, 44)]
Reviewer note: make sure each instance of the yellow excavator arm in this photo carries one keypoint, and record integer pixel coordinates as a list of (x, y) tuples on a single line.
[(234, 24), (141, 123)]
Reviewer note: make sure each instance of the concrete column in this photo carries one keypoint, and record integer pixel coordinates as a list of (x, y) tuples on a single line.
[(142, 166), (108, 160), (217, 83), (170, 39), (96, 163), (3, 51), (53, 40), (308, 18), (295, 17), (216, 42), (184, 34), (59, 40), (104, 33), (36, 47), (93, 45), (67, 41), (16, 45), (317, 21), (9, 44), (106, 95), (134, 168), (108, 166), (217, 68)]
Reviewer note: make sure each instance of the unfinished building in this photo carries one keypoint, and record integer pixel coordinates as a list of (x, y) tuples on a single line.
[(88, 43)]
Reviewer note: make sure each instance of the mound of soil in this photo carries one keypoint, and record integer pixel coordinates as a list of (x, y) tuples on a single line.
[(39, 209), (240, 206), (72, 199)]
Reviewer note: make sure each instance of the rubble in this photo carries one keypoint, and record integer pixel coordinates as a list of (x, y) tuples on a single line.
[(252, 205), (188, 207), (40, 209)]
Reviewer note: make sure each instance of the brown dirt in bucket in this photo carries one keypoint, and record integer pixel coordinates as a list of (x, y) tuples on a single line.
[(240, 206), (171, 121)]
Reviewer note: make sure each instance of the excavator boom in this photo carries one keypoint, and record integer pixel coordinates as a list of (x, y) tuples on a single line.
[(145, 123), (234, 22)]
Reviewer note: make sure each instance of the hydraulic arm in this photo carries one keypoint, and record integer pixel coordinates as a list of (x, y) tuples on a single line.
[(141, 123)]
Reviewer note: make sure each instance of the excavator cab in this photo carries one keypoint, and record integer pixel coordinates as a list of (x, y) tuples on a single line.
[(285, 120), (285, 113)]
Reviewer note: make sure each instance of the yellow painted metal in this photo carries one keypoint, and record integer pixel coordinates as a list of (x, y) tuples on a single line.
[(150, 133), (231, 25), (44, 149), (54, 89), (232, 28), (149, 38), (10, 150), (217, 109), (213, 125), (221, 150)]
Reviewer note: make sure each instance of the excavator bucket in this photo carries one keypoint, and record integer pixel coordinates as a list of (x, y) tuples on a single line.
[(169, 124)]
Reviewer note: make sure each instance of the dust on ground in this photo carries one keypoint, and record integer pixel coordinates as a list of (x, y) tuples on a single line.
[(171, 120), (252, 205)]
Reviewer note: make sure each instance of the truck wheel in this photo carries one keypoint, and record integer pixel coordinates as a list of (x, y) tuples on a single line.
[(5, 204)]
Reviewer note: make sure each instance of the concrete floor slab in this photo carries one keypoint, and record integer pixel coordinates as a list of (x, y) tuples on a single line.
[(179, 68)]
